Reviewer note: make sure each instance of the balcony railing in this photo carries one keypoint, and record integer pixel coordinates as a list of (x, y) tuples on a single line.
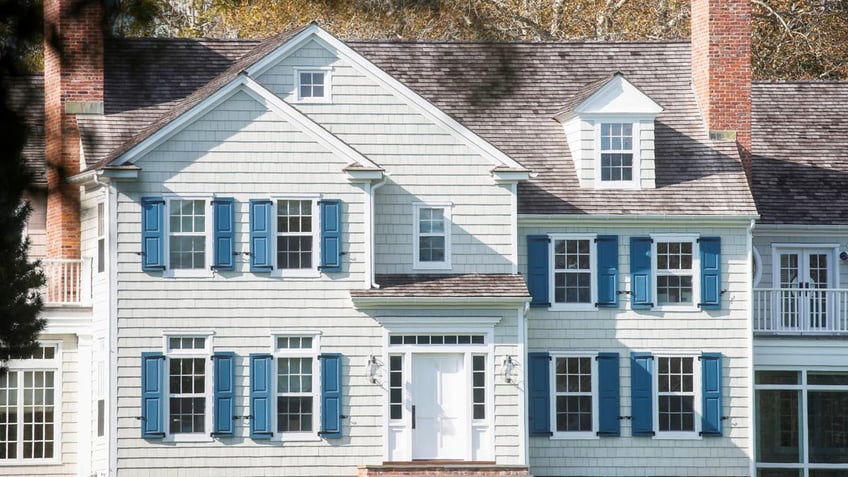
[(797, 311), (68, 282)]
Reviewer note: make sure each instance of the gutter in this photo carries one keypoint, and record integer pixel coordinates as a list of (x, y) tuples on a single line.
[(634, 220)]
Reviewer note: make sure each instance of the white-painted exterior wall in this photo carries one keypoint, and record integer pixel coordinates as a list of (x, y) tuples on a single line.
[(625, 331)]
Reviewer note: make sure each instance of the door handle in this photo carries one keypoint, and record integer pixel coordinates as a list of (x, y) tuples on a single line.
[(413, 416)]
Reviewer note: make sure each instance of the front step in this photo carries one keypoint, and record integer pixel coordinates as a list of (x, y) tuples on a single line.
[(440, 469)]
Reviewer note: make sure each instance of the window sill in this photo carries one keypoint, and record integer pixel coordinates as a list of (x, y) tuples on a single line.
[(688, 436), (573, 436), (186, 273), (629, 185), (313, 100), (295, 273), (573, 307), (666, 308), (28, 462), (431, 266), (284, 437), (193, 437)]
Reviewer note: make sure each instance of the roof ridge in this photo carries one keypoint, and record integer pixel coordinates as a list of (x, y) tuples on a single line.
[(518, 42)]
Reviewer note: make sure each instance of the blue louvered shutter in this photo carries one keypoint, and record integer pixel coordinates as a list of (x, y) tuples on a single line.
[(641, 389), (607, 250), (540, 393), (331, 396), (261, 234), (710, 273), (224, 394), (260, 396), (331, 235), (711, 394), (640, 273), (537, 269), (609, 400), (152, 395), (224, 236), (152, 233)]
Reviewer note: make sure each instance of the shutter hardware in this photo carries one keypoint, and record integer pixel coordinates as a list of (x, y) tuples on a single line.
[(625, 418)]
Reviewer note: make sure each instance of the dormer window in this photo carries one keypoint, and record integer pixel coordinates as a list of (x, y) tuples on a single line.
[(312, 85), (616, 152)]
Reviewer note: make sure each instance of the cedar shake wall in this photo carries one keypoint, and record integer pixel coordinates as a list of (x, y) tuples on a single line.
[(721, 68), (73, 72)]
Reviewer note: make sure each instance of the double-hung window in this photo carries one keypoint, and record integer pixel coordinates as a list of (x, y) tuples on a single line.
[(30, 405), (177, 235), (297, 399), (312, 85), (297, 237), (189, 391), (676, 394), (575, 396), (432, 236), (617, 154), (574, 283), (675, 268), (187, 237)]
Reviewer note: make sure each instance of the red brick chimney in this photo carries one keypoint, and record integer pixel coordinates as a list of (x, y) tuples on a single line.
[(721, 70), (73, 84)]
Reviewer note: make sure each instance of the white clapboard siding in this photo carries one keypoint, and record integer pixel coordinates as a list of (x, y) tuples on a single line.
[(624, 331)]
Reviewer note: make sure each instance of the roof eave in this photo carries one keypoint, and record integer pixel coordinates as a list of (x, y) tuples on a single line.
[(374, 302)]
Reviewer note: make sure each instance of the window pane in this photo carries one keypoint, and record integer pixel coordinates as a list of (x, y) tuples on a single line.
[(778, 424), (777, 377), (827, 379), (827, 415), (780, 473)]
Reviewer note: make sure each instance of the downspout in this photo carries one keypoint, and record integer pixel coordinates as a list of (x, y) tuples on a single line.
[(524, 454), (373, 253), (750, 330)]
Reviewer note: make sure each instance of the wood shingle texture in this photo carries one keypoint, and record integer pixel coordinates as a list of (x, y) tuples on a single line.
[(26, 97), (800, 152), (446, 285)]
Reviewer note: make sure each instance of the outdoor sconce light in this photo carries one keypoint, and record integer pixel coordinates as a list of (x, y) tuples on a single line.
[(508, 368), (372, 368)]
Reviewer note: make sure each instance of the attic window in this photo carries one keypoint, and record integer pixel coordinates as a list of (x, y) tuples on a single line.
[(312, 85), (617, 163)]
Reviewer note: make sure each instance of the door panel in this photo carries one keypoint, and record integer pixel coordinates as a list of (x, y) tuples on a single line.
[(805, 274), (440, 429)]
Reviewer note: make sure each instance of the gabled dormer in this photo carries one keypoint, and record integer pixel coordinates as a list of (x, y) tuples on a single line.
[(609, 125)]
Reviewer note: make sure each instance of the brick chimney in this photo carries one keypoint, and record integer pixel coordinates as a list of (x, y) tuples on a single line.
[(73, 84), (721, 70)]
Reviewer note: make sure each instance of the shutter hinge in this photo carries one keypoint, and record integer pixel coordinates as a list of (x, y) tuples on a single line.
[(550, 358), (723, 292), (550, 433), (140, 254), (724, 418), (548, 240)]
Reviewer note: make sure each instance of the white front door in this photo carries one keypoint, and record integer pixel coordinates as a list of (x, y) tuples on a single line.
[(439, 407), (805, 273)]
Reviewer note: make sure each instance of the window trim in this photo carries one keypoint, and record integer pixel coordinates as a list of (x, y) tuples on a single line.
[(593, 269), (314, 352), (328, 92), (100, 230), (636, 181), (206, 271), (446, 207), (315, 271), (697, 392), (574, 435), (696, 271), (209, 369), (54, 365)]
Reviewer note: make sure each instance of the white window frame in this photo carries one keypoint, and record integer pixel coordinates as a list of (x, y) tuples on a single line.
[(206, 271), (206, 355), (636, 181), (313, 353), (328, 93), (313, 272), (564, 435), (54, 365), (593, 269), (696, 388), (417, 264), (696, 271)]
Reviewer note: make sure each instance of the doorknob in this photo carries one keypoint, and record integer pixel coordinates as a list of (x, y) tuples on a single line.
[(413, 416)]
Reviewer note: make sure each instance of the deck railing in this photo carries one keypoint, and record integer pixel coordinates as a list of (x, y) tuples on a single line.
[(68, 282), (808, 311)]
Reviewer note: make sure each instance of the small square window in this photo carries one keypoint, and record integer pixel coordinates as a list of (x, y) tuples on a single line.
[(312, 85)]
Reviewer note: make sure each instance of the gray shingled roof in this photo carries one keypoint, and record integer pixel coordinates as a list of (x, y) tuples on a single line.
[(507, 93), (26, 96), (800, 151), (441, 285)]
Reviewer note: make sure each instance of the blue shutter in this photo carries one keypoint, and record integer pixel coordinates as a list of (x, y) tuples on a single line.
[(710, 273), (331, 396), (640, 273), (609, 401), (224, 394), (711, 394), (331, 235), (261, 234), (152, 233), (607, 250), (223, 216), (540, 393), (152, 395), (260, 396), (537, 269), (642, 392)]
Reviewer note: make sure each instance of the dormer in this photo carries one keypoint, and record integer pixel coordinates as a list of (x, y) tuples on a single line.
[(609, 126)]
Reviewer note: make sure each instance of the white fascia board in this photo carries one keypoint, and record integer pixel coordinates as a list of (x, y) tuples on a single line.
[(176, 125), (507, 176), (529, 220), (619, 96), (801, 230), (439, 302), (327, 139), (426, 108)]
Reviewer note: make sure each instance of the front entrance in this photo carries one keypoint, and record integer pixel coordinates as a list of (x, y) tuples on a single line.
[(439, 406), (804, 275)]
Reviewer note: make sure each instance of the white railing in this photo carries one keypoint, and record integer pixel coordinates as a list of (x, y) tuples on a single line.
[(813, 311), (68, 282)]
